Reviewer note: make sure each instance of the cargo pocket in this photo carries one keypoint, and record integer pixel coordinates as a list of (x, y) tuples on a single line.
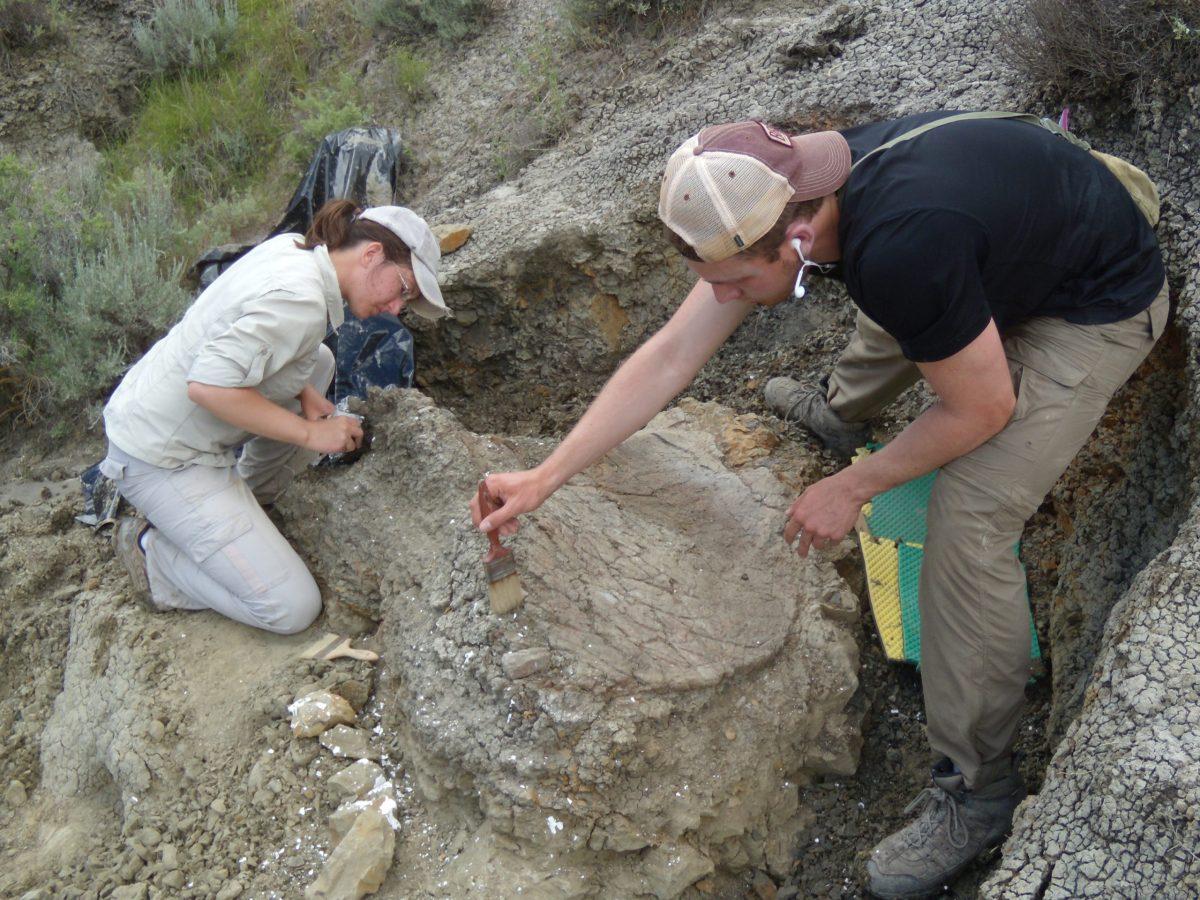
[(197, 484), (1053, 416), (112, 469), (1059, 350), (248, 570), (1044, 400), (218, 536)]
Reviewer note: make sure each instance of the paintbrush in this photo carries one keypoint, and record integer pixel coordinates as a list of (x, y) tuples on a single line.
[(500, 564), (331, 646)]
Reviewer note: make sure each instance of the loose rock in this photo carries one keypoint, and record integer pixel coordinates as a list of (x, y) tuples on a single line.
[(318, 711), (358, 778), (359, 863), (451, 237), (14, 794), (523, 663), (353, 743)]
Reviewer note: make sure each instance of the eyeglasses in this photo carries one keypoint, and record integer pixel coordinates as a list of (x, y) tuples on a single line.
[(411, 291)]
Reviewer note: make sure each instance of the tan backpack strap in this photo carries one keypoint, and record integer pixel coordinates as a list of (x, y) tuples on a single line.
[(962, 117)]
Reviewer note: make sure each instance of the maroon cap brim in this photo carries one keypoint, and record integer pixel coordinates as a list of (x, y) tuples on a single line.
[(814, 164)]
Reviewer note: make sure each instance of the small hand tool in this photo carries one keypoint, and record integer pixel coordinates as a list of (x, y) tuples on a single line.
[(500, 563)]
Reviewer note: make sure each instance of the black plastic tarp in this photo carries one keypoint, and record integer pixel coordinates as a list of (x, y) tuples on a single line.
[(359, 164)]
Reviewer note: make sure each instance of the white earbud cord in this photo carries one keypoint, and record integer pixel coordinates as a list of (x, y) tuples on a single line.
[(799, 290)]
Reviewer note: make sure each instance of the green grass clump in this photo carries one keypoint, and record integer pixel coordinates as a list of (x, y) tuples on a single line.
[(447, 20), (210, 131), (185, 35), (409, 72), (86, 284)]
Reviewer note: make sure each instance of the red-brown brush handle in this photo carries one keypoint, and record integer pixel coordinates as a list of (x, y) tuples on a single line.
[(487, 506)]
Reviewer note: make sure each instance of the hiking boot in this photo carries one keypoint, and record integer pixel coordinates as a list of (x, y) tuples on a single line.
[(807, 404), (953, 826), (128, 549)]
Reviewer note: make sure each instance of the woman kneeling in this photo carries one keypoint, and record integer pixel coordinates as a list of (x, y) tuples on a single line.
[(246, 367)]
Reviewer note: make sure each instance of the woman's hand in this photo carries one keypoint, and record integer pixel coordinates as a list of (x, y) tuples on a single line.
[(313, 404), (516, 493), (334, 434)]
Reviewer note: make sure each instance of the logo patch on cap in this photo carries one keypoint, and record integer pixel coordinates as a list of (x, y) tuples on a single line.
[(775, 134)]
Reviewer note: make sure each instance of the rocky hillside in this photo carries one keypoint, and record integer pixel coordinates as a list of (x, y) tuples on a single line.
[(576, 749)]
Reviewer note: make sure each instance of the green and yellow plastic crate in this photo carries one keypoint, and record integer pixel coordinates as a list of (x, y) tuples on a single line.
[(891, 532)]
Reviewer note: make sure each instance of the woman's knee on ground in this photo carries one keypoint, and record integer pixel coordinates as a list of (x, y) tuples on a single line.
[(291, 607)]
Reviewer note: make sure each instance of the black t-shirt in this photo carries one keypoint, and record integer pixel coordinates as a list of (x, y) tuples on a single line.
[(987, 219)]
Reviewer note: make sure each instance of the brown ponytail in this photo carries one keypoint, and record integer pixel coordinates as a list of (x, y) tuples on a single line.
[(336, 227)]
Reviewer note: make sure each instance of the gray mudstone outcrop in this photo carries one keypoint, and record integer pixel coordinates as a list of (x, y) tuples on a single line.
[(692, 676), (567, 270), (1119, 811), (103, 732)]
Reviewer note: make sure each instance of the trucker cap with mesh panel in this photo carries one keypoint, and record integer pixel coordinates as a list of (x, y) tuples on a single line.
[(725, 187)]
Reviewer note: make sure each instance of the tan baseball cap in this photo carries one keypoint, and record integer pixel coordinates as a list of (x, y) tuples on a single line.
[(725, 187), (426, 254)]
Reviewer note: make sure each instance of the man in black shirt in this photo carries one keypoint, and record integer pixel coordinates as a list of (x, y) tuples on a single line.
[(999, 261)]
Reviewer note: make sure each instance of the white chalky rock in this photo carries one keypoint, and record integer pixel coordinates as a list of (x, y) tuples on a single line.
[(318, 711), (380, 796)]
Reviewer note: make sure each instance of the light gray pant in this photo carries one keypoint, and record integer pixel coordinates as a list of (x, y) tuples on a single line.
[(211, 545), (974, 612)]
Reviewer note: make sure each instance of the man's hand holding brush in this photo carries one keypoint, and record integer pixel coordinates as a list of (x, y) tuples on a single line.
[(514, 493)]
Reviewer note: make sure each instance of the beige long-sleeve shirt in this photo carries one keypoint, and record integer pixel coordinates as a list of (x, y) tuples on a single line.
[(258, 325)]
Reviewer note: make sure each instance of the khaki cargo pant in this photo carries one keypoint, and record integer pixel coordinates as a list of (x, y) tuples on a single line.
[(212, 546), (975, 638)]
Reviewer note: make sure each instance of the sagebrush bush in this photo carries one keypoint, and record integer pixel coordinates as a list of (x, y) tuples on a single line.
[(219, 130), (187, 35), (88, 282), (24, 23), (590, 20), (1104, 49), (324, 110), (448, 20), (44, 225)]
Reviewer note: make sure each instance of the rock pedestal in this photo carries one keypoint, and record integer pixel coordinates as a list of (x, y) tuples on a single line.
[(644, 718)]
